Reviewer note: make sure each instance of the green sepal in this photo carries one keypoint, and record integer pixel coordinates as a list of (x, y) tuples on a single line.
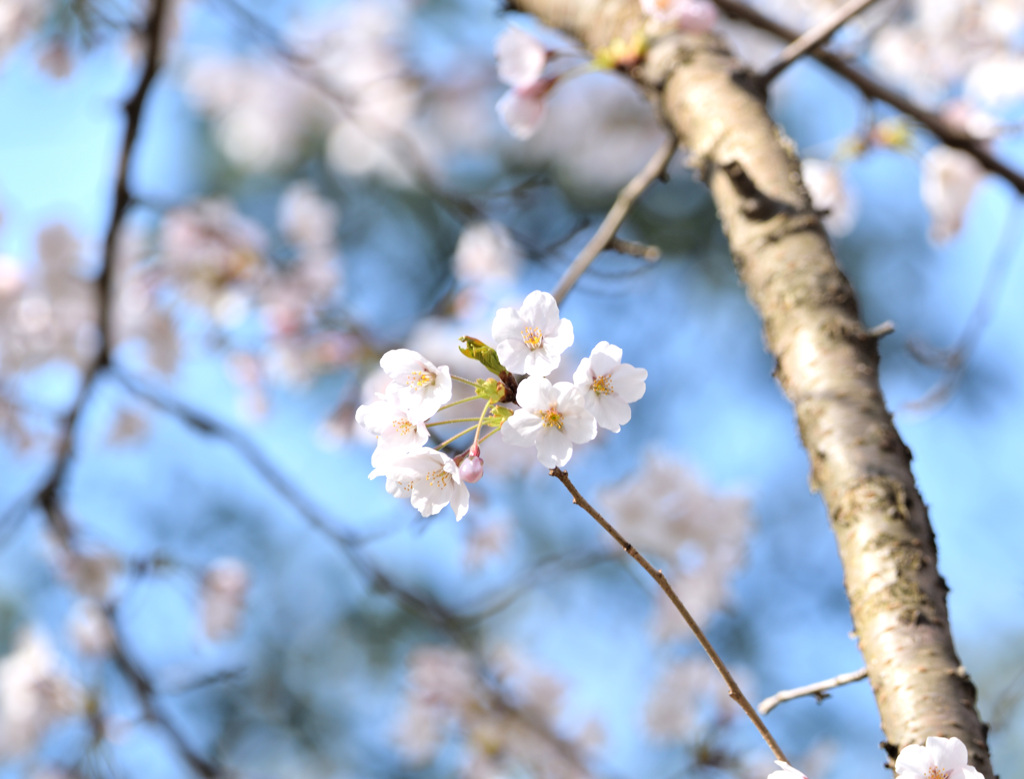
[(497, 416), (476, 349), (490, 389)]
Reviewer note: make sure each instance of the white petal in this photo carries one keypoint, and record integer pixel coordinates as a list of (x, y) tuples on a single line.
[(629, 382), (554, 449)]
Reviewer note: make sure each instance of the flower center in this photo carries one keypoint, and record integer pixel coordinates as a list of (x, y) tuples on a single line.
[(403, 426), (603, 385), (934, 772), (533, 337), (419, 379), (552, 418), (439, 479)]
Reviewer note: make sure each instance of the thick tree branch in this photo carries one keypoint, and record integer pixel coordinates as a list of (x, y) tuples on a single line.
[(827, 366)]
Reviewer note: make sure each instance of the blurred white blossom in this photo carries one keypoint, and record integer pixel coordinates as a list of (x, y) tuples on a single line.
[(828, 192), (948, 179), (224, 588), (89, 628), (701, 537), (486, 251), (34, 693)]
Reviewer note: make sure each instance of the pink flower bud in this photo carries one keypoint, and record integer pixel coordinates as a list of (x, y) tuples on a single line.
[(471, 469)]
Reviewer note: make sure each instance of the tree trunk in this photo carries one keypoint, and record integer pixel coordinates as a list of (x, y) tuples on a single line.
[(827, 364)]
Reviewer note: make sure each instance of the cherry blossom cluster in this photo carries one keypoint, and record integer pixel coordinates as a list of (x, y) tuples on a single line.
[(939, 757), (522, 402), (522, 60)]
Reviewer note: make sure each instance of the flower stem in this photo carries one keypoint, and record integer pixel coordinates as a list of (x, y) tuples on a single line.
[(461, 433), (463, 420), (480, 423), (458, 402)]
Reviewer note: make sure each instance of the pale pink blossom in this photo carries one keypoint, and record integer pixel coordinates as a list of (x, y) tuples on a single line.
[(609, 385), (939, 758), (485, 250), (689, 15), (531, 339), (387, 420), (520, 58), (551, 417), (89, 628), (829, 194), (225, 585), (34, 693), (948, 179), (420, 387), (428, 478), (521, 111)]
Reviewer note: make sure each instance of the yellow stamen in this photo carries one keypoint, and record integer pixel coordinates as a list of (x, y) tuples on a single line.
[(419, 379), (603, 385), (935, 773), (439, 478), (533, 337), (403, 426), (552, 418)]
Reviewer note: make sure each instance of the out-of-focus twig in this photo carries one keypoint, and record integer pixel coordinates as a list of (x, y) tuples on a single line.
[(817, 690), (955, 360), (872, 88), (813, 38), (624, 201)]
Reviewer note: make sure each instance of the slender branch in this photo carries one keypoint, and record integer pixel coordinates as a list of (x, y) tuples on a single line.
[(813, 38), (734, 689), (870, 87), (955, 360), (605, 234), (146, 693), (350, 543), (817, 690), (133, 106)]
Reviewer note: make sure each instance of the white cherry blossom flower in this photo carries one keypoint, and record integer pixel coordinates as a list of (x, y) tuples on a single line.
[(691, 15), (787, 772), (421, 387), (824, 183), (551, 417), (225, 585), (939, 758), (531, 339), (520, 58), (387, 420), (609, 385), (522, 109), (428, 478), (948, 179)]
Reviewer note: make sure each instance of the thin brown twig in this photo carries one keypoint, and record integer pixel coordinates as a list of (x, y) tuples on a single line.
[(813, 38), (146, 693), (871, 88), (955, 360), (48, 494), (817, 690), (624, 201), (734, 689)]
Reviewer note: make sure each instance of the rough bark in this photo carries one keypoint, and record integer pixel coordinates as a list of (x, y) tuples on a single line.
[(827, 364)]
